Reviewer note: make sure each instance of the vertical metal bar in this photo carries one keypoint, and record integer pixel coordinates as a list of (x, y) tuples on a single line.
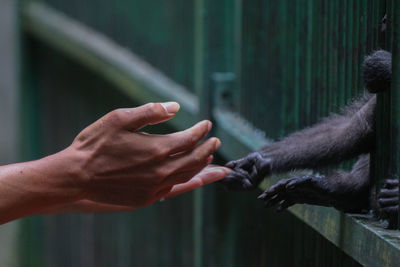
[(309, 54), (284, 115), (296, 65), (343, 29), (31, 232), (204, 98), (395, 92), (237, 28), (349, 56)]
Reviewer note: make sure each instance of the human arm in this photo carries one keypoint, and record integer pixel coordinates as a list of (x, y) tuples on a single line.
[(109, 162)]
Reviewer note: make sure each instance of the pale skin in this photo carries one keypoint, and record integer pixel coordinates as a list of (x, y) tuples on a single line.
[(112, 166)]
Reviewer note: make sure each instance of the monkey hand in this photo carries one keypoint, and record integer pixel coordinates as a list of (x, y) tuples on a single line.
[(388, 201), (248, 172), (297, 190)]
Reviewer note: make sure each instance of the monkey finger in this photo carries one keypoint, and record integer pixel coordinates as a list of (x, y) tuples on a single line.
[(239, 163), (284, 205), (272, 202), (296, 182), (390, 210), (386, 193), (255, 178), (391, 183), (275, 189), (235, 181), (231, 164), (243, 163), (385, 202)]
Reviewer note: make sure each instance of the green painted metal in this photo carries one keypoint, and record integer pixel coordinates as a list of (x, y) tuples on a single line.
[(394, 166), (360, 236), (203, 94), (136, 25), (31, 229), (125, 69), (289, 63)]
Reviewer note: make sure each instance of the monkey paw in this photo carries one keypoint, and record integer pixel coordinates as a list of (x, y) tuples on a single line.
[(388, 200), (296, 190), (248, 172)]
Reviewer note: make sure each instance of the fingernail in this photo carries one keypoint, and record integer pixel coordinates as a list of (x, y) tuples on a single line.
[(217, 144), (171, 107), (209, 126)]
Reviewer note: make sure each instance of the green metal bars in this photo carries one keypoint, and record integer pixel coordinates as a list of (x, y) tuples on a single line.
[(303, 58), (159, 32)]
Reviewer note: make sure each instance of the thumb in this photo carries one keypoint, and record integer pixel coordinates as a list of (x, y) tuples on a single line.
[(151, 113)]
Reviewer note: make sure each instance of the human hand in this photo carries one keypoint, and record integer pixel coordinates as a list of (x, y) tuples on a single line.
[(114, 164), (248, 172), (209, 174)]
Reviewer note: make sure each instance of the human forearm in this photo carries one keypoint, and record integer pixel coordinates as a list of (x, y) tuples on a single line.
[(29, 187)]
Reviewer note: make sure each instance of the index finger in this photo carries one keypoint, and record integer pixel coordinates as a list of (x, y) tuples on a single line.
[(151, 113), (209, 174)]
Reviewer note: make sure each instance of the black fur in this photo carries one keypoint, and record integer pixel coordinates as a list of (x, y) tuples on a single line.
[(377, 69), (336, 138)]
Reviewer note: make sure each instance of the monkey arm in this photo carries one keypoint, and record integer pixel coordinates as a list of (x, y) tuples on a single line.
[(336, 138)]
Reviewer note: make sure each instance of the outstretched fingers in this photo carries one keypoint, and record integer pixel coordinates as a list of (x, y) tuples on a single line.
[(284, 205), (247, 173), (391, 183), (388, 193), (274, 190), (388, 199), (186, 140), (288, 192), (276, 195), (134, 119), (386, 202), (192, 161), (210, 174)]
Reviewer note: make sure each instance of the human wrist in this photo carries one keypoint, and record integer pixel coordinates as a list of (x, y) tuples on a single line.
[(28, 188), (62, 176)]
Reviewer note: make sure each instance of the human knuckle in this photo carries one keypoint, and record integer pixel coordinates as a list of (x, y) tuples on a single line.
[(160, 154), (117, 116), (163, 151), (150, 106), (155, 108)]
